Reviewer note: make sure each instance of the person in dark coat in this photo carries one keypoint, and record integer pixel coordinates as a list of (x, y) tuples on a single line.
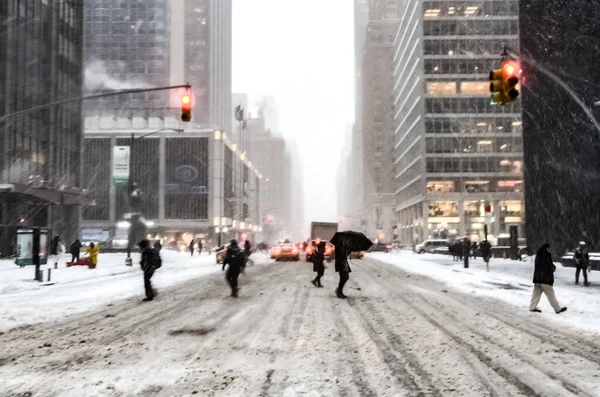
[(466, 251), (75, 250), (343, 268), (199, 247), (543, 280), (55, 249), (149, 263), (248, 252), (235, 259), (486, 252), (157, 246), (582, 261), (474, 249), (318, 260), (192, 247)]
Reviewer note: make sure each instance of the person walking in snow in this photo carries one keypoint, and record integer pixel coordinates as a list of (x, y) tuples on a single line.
[(582, 261), (235, 259), (543, 280), (192, 247), (157, 246), (486, 252), (343, 268), (466, 246), (199, 247), (55, 249), (248, 252), (75, 250), (150, 262), (318, 260)]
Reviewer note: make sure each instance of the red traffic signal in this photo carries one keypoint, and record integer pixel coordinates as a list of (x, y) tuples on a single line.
[(270, 218), (186, 108), (487, 208)]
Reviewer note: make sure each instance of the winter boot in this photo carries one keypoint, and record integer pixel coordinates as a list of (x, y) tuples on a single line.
[(314, 282), (564, 309)]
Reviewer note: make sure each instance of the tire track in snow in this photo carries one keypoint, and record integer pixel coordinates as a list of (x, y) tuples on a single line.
[(503, 370)]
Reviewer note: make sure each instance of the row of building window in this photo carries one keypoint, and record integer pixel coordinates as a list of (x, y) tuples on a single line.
[(483, 46), (467, 105), (465, 125), (474, 164), (473, 185), (470, 145), (461, 66), (475, 208), (470, 27), (439, 8)]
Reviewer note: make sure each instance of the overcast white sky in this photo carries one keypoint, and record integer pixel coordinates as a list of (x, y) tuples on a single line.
[(301, 52)]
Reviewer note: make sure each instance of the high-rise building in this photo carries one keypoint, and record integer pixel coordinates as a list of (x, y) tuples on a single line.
[(561, 142), (455, 153), (127, 45), (41, 46), (139, 44), (205, 39), (377, 119)]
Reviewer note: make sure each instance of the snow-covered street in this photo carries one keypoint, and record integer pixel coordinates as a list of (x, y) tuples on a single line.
[(399, 334)]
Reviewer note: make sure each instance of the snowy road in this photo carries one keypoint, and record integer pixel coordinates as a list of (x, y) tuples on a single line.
[(399, 334)]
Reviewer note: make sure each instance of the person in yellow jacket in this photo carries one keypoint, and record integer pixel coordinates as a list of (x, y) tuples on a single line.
[(93, 250)]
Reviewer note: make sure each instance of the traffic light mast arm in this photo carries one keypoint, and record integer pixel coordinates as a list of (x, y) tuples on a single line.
[(106, 94)]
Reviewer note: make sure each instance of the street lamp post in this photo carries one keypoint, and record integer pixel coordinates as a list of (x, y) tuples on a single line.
[(137, 229)]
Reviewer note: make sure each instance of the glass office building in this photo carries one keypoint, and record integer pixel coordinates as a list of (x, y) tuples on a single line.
[(454, 152)]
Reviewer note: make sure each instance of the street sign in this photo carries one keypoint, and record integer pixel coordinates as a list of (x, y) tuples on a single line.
[(488, 218), (120, 172)]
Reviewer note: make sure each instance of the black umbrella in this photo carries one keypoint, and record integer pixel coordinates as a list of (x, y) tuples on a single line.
[(352, 241)]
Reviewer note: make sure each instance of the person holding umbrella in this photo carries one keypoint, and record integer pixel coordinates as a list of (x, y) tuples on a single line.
[(343, 268), (345, 243)]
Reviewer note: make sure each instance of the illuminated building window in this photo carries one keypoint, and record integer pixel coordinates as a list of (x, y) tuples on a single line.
[(475, 88), (441, 89)]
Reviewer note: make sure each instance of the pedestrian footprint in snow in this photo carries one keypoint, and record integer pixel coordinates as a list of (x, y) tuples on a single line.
[(543, 280)]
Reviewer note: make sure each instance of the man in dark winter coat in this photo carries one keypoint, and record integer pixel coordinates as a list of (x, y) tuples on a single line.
[(248, 252), (343, 268), (149, 263), (75, 250), (318, 260), (486, 251), (543, 280), (192, 247), (235, 259), (466, 252), (582, 260), (55, 249)]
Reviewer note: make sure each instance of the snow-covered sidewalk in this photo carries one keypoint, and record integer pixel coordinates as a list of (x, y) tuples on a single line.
[(78, 289), (510, 281)]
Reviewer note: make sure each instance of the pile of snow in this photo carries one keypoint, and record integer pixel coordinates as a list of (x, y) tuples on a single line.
[(510, 281), (77, 289)]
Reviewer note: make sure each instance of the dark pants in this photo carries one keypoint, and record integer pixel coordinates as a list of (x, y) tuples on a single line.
[(466, 260), (318, 278), (232, 278), (75, 256), (579, 269), (344, 277), (192, 251), (148, 285)]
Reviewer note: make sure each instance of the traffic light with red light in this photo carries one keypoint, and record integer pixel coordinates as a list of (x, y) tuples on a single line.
[(504, 82), (186, 108), (511, 72)]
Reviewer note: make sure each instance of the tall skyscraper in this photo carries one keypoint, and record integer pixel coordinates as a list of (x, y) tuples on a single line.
[(201, 48), (561, 143), (455, 153), (127, 45), (376, 115), (41, 46)]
